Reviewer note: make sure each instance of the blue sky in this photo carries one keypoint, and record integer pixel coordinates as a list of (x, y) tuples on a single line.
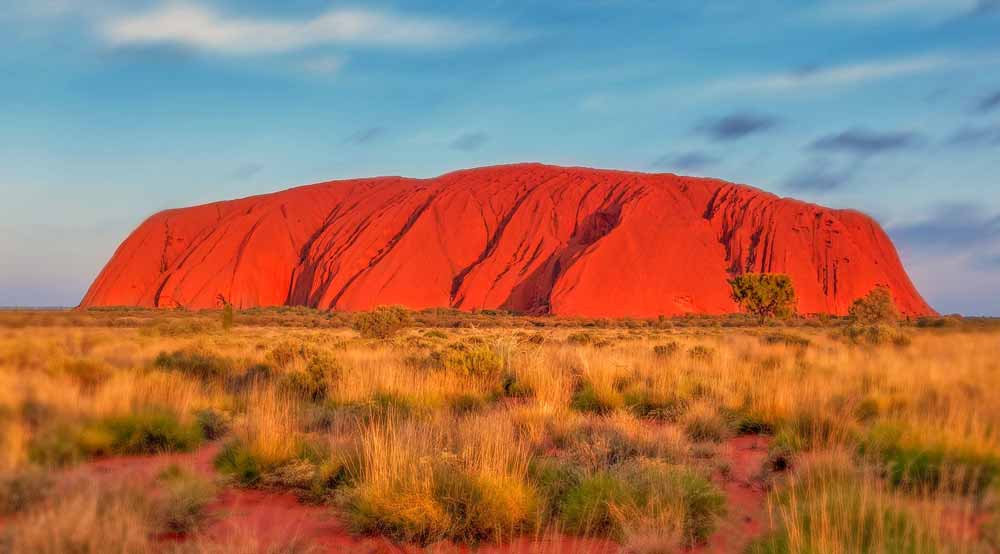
[(114, 110)]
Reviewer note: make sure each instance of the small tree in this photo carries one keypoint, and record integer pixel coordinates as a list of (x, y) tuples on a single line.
[(764, 294), (227, 313), (382, 322), (876, 307)]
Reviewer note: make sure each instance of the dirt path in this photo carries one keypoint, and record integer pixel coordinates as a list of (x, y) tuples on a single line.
[(746, 517)]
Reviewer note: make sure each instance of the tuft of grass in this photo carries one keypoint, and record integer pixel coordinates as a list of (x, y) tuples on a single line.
[(831, 507), (185, 496), (144, 432), (703, 422), (383, 322), (149, 431), (22, 489), (636, 498), (196, 363), (591, 398), (238, 462), (922, 465), (87, 520)]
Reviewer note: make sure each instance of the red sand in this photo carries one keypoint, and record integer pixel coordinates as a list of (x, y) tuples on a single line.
[(529, 238), (746, 515)]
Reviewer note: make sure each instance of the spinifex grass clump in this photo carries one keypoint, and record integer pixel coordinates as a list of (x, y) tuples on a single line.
[(831, 506), (643, 497), (267, 437), (149, 431), (463, 480)]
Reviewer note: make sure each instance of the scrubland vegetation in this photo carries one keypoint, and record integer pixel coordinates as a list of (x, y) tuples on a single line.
[(434, 428)]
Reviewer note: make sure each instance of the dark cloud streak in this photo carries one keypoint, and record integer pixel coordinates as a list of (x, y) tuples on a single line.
[(989, 103), (687, 161), (951, 228), (736, 126), (470, 142), (820, 175), (976, 136), (865, 143), (365, 136)]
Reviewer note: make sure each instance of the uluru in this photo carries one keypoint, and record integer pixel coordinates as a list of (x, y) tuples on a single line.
[(528, 238)]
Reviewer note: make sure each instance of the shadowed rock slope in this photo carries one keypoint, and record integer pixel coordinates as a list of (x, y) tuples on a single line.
[(529, 238)]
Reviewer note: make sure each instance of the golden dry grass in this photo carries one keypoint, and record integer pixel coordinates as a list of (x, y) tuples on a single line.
[(444, 434)]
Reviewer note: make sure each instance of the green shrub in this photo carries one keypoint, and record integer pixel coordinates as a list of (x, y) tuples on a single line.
[(554, 479), (580, 339), (313, 382), (182, 508), (213, 424), (701, 353), (705, 423), (146, 432), (640, 495), (238, 462), (876, 335), (56, 446), (645, 403), (915, 465), (875, 308), (227, 316), (786, 339), (512, 387), (589, 507), (149, 432), (590, 399), (22, 489), (382, 322), (466, 403), (834, 507), (481, 507), (89, 373), (287, 352), (477, 361), (764, 295), (196, 363)]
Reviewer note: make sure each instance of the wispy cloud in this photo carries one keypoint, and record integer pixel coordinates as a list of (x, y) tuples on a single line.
[(365, 136), (201, 27), (876, 10), (988, 135), (736, 126), (950, 227), (470, 141), (837, 76), (821, 175), (246, 171), (861, 142), (988, 103), (687, 161)]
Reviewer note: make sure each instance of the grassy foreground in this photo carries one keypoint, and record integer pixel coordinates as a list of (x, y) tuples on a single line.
[(481, 429)]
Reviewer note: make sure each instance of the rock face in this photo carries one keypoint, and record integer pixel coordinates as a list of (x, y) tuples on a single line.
[(528, 238)]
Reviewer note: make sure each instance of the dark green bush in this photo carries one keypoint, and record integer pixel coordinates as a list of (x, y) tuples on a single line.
[(590, 400), (236, 461), (607, 503), (150, 432), (928, 466), (875, 308), (213, 424), (196, 363)]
